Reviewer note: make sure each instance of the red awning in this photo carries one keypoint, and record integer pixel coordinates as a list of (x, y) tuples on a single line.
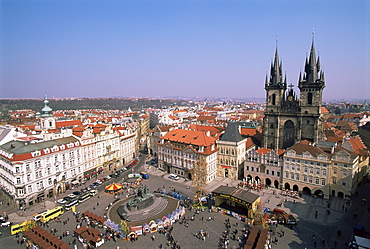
[(87, 175), (224, 166), (101, 169), (94, 173)]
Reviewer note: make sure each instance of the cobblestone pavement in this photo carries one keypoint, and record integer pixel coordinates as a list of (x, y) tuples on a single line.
[(309, 232)]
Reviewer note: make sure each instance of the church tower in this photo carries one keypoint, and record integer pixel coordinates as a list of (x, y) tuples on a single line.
[(288, 119), (47, 119), (275, 89), (311, 86)]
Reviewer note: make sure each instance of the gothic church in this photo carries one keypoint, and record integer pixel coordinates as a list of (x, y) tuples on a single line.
[(288, 119)]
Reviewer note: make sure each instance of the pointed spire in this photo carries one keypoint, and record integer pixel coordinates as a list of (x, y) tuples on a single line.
[(318, 62), (276, 69), (311, 69)]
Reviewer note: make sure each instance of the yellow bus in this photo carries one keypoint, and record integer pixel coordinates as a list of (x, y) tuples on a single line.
[(51, 214), (22, 227)]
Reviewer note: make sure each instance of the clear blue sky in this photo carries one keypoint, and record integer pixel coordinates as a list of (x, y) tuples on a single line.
[(213, 48)]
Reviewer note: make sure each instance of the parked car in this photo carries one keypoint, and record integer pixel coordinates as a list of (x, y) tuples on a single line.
[(84, 190), (61, 201), (290, 220), (72, 195), (5, 224), (93, 192), (91, 186), (98, 182), (174, 177), (77, 193)]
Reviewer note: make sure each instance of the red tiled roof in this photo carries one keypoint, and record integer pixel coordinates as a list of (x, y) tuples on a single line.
[(304, 146), (68, 123), (324, 110), (248, 131), (189, 137)]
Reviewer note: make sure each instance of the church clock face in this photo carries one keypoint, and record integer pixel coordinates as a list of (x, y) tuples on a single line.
[(290, 98)]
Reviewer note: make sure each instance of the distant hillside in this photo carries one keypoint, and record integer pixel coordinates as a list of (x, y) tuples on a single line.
[(89, 103)]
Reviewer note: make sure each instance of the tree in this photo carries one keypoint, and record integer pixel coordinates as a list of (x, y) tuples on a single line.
[(199, 177)]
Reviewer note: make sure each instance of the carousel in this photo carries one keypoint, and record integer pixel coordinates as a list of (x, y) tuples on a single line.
[(113, 188)]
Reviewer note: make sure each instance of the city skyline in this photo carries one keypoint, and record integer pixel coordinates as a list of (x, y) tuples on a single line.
[(179, 48)]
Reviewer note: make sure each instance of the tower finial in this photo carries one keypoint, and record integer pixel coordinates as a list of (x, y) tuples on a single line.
[(277, 39), (313, 35)]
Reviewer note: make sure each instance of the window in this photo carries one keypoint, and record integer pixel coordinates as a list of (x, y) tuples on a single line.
[(28, 178), (27, 167), (324, 172), (287, 166), (334, 180), (20, 191), (298, 168), (323, 182), (18, 180), (286, 175), (292, 176), (50, 181), (344, 183), (318, 164), (311, 170), (317, 180), (335, 171), (16, 169), (309, 98), (267, 171), (29, 188), (252, 168), (305, 169), (272, 172), (310, 179), (293, 168), (345, 165), (305, 178), (317, 171), (344, 173), (247, 167), (297, 177)]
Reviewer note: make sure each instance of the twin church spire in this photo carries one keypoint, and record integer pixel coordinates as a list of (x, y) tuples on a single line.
[(313, 74)]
